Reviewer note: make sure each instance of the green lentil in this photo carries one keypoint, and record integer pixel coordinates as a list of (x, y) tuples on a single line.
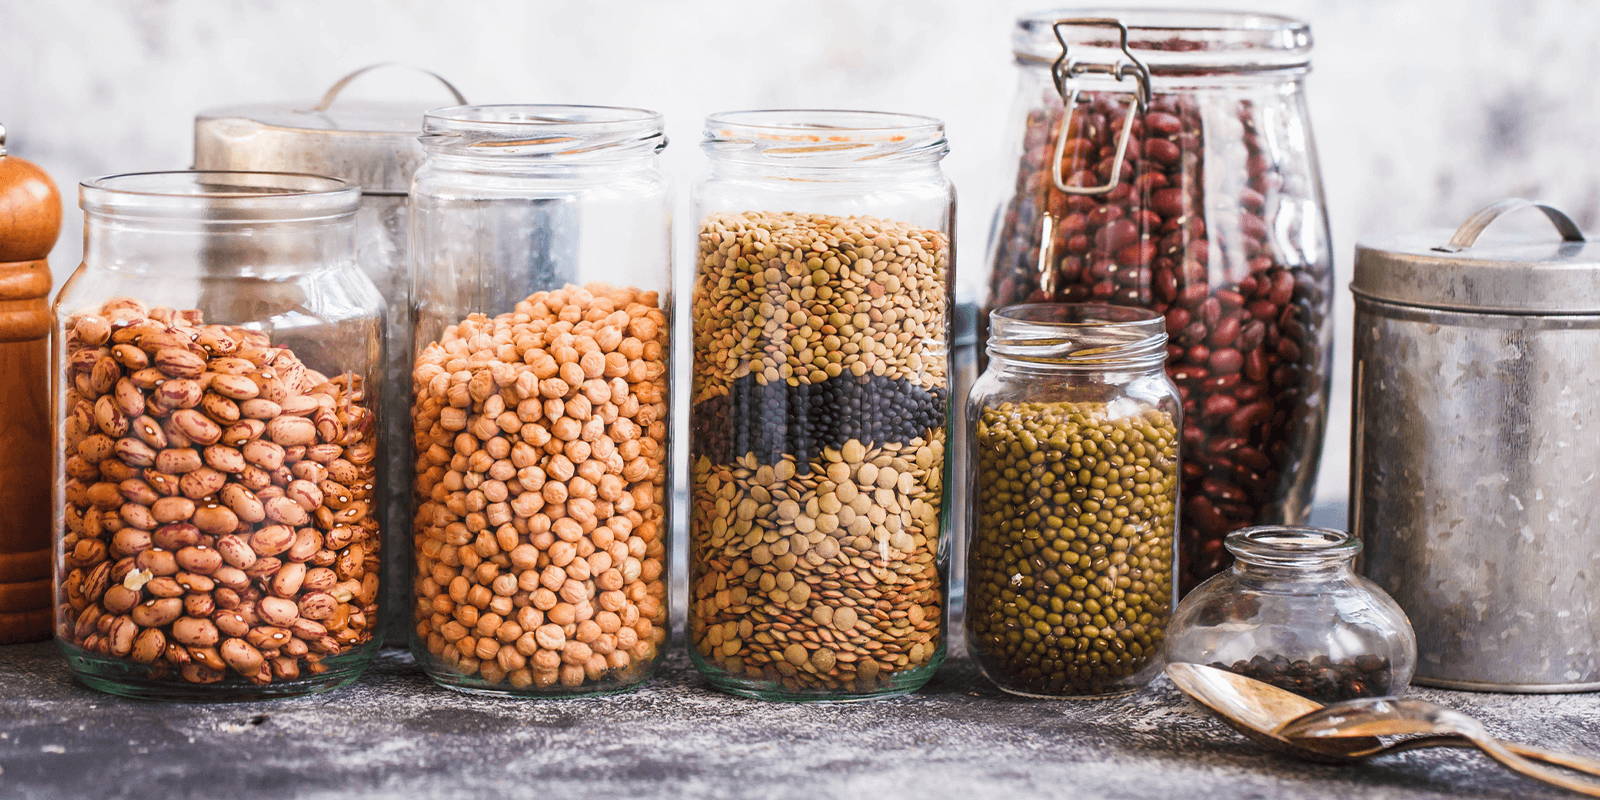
[(1069, 569)]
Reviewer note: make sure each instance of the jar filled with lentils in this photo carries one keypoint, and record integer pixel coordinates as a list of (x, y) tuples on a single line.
[(218, 357), (818, 415), (1165, 160), (1073, 479), (541, 264)]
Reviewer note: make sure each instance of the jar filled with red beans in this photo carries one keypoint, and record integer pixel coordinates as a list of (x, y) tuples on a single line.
[(1164, 159)]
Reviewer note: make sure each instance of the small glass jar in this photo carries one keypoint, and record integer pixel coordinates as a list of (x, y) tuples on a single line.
[(218, 361), (1165, 160), (1073, 480), (1292, 612), (541, 268), (818, 418)]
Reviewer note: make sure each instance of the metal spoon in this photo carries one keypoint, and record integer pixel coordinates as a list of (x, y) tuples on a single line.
[(1392, 716), (1260, 711)]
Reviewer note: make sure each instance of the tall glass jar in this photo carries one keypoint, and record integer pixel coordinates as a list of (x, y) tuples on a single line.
[(818, 419), (1073, 479), (1184, 180), (541, 282), (218, 360)]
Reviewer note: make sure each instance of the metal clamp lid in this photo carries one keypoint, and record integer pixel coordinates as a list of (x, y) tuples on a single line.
[(1066, 68), (338, 86)]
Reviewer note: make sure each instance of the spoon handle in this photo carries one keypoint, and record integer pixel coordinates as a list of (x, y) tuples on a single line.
[(1576, 763), (1501, 752)]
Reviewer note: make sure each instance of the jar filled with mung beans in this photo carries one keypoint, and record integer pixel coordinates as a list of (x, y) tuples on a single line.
[(218, 366), (1073, 480), (541, 277), (818, 418)]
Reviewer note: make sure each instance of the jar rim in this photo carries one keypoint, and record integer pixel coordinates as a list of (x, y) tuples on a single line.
[(824, 136), (544, 130), (1170, 40), (1088, 335), (220, 196), (1292, 545)]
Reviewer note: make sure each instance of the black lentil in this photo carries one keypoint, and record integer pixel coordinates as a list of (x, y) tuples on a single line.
[(775, 419), (1320, 678)]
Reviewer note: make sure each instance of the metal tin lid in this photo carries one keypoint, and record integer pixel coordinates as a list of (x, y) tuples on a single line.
[(373, 145), (1508, 276)]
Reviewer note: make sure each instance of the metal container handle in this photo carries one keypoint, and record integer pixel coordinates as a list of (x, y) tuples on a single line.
[(332, 94), (1066, 67), (1467, 235)]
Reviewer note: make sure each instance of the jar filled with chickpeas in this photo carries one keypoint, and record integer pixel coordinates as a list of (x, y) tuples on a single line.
[(541, 278), (216, 383), (818, 418), (1073, 481)]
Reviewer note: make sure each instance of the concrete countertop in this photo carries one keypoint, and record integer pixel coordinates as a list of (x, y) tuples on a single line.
[(393, 734)]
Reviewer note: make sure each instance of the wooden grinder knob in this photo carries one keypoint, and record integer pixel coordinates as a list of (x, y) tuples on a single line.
[(30, 220)]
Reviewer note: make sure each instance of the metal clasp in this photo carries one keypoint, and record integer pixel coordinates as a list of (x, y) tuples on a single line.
[(1066, 68)]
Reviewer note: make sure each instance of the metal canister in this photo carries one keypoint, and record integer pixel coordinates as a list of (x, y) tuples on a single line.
[(1475, 478), (375, 146)]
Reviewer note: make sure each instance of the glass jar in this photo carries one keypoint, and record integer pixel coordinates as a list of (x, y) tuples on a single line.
[(1185, 181), (218, 358), (1292, 612), (819, 412), (541, 269), (1073, 480)]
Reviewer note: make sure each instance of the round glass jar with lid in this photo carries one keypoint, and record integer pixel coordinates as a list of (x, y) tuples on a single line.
[(217, 374), (1291, 612), (1165, 160), (541, 284), (818, 414), (1073, 480), (374, 146)]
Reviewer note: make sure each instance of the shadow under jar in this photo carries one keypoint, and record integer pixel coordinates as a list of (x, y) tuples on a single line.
[(217, 363), (1291, 612), (1165, 160), (818, 419), (1074, 490), (541, 278)]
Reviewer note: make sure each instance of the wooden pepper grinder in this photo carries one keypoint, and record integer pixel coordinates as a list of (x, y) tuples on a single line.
[(30, 218)]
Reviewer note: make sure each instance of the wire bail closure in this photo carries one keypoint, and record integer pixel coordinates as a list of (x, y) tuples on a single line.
[(1066, 68)]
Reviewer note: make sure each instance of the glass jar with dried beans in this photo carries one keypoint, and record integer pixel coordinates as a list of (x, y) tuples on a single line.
[(821, 314), (541, 264), (1293, 613), (1165, 160), (1073, 479), (218, 360)]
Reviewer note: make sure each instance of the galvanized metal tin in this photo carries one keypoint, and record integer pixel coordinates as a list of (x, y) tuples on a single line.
[(1475, 480)]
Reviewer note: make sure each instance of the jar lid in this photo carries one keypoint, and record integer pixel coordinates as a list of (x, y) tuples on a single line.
[(372, 145), (1519, 275), (1167, 41)]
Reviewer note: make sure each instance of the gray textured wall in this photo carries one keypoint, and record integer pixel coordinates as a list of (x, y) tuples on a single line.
[(1423, 109)]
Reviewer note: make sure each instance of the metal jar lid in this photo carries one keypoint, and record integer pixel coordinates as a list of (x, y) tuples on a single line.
[(1507, 276), (373, 145)]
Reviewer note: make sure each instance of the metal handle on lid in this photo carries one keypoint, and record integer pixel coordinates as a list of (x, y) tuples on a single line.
[(332, 94), (1467, 235), (1066, 68)]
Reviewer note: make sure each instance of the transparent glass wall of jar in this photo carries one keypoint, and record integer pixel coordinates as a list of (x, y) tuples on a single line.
[(541, 278), (217, 371), (818, 418), (1212, 215), (1073, 481), (1293, 613)]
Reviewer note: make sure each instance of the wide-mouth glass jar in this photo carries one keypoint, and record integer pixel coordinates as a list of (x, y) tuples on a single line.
[(819, 407), (1165, 160), (541, 283), (218, 362), (1073, 481), (1292, 612)]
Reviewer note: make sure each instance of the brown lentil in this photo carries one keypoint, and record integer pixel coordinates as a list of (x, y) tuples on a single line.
[(1069, 572), (541, 441), (153, 548)]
